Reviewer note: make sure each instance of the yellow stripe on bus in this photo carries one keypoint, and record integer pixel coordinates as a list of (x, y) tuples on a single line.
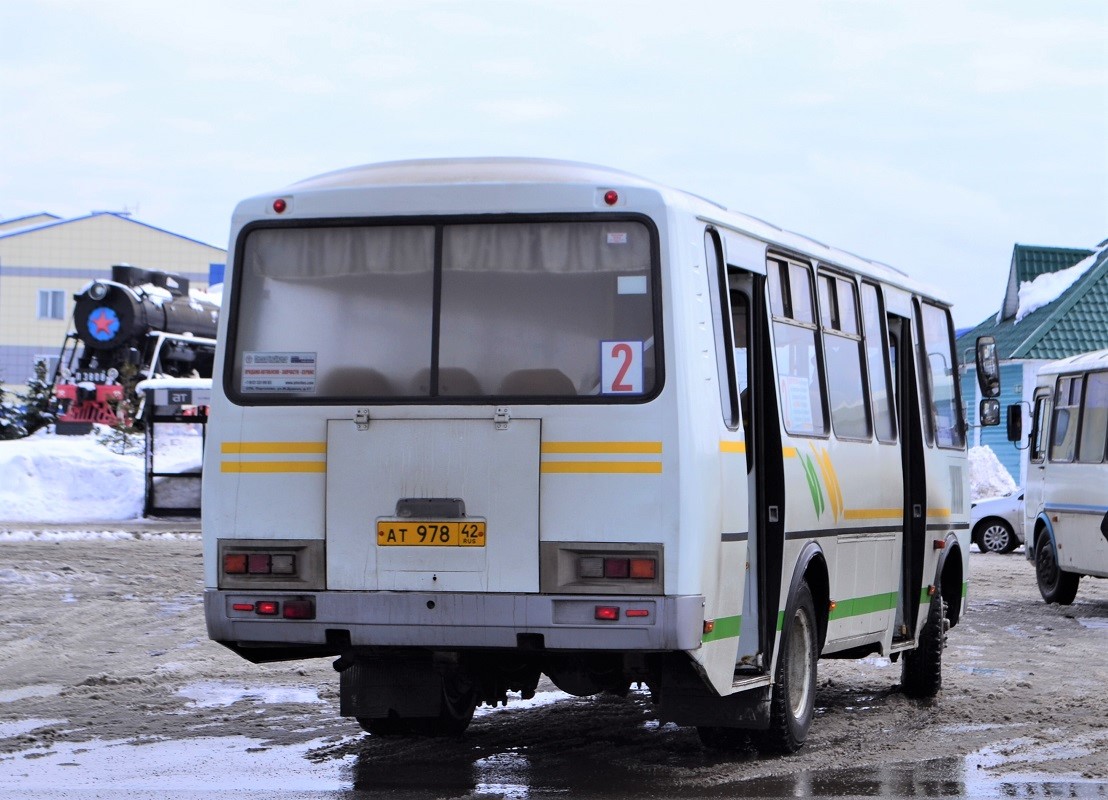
[(730, 446), (873, 513), (789, 452), (273, 466), (626, 467), (601, 447), (265, 448)]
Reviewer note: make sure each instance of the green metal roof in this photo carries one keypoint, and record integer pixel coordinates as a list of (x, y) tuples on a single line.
[(1031, 261), (1075, 322)]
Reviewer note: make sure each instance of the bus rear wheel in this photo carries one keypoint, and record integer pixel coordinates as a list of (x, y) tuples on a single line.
[(922, 671), (1055, 585), (794, 691)]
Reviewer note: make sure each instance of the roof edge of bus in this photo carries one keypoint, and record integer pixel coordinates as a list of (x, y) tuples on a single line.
[(491, 169), (1094, 358)]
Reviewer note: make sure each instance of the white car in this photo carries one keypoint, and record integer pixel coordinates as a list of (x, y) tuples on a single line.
[(997, 522)]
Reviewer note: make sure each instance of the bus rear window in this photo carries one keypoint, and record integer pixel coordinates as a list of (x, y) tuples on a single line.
[(478, 311)]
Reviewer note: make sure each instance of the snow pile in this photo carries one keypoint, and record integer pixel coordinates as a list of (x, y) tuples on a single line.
[(988, 477), (1049, 286), (49, 478)]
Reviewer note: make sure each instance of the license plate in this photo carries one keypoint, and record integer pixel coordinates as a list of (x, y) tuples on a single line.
[(430, 533)]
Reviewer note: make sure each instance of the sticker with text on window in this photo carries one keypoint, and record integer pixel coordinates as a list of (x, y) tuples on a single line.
[(278, 372), (621, 368), (617, 237)]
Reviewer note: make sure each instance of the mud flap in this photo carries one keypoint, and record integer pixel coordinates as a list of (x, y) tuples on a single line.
[(683, 697), (407, 687)]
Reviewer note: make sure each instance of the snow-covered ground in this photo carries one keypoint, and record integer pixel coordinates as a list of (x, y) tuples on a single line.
[(47, 478)]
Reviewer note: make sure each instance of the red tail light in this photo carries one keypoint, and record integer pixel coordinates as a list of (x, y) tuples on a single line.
[(299, 609), (234, 563), (258, 563), (607, 612), (643, 568), (617, 567), (267, 608)]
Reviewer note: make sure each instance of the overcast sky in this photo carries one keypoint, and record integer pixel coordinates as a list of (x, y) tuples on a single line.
[(929, 135)]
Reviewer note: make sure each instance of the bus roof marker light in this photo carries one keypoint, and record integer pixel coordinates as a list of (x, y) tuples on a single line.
[(280, 204), (611, 197)]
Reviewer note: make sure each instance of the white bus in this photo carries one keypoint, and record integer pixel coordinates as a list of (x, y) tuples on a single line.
[(479, 420), (1066, 496)]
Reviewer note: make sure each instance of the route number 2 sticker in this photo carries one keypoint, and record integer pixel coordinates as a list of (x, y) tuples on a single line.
[(621, 368)]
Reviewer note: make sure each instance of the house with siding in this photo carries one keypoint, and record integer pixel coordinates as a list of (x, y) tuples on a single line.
[(1055, 305), (46, 259)]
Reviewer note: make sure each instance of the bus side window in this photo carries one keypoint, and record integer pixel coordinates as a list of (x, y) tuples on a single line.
[(844, 356), (878, 362), (1094, 419), (945, 427), (1067, 405), (1038, 428), (799, 362), (740, 338), (722, 314)]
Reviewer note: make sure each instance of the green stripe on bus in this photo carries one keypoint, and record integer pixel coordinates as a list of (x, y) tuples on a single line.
[(857, 606), (726, 628)]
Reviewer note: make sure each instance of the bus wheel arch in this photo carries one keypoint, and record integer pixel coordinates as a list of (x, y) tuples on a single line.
[(950, 580), (811, 568)]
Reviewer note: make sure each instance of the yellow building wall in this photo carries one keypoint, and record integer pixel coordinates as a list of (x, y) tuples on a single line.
[(71, 254)]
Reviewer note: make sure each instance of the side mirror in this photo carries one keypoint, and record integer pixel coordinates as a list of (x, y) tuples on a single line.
[(1015, 421), (988, 414), (988, 367)]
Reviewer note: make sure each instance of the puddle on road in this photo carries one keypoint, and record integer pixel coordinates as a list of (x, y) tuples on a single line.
[(208, 694), (953, 777), (203, 768), (23, 692), (195, 768)]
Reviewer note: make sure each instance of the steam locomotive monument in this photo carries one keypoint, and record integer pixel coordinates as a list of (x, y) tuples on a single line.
[(140, 325)]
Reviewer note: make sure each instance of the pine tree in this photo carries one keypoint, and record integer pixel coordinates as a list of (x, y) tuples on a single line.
[(11, 426), (126, 436), (39, 408)]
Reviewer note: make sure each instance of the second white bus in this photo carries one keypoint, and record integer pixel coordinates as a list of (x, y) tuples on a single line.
[(1066, 495)]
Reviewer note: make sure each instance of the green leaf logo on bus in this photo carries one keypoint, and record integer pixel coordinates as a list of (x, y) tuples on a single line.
[(821, 458)]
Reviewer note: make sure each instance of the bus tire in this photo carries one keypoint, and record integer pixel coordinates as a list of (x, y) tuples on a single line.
[(794, 692), (922, 669), (1055, 584)]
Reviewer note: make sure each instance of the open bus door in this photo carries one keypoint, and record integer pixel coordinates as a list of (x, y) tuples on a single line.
[(910, 437)]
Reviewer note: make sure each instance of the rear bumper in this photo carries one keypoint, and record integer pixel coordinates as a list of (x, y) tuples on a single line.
[(458, 620)]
